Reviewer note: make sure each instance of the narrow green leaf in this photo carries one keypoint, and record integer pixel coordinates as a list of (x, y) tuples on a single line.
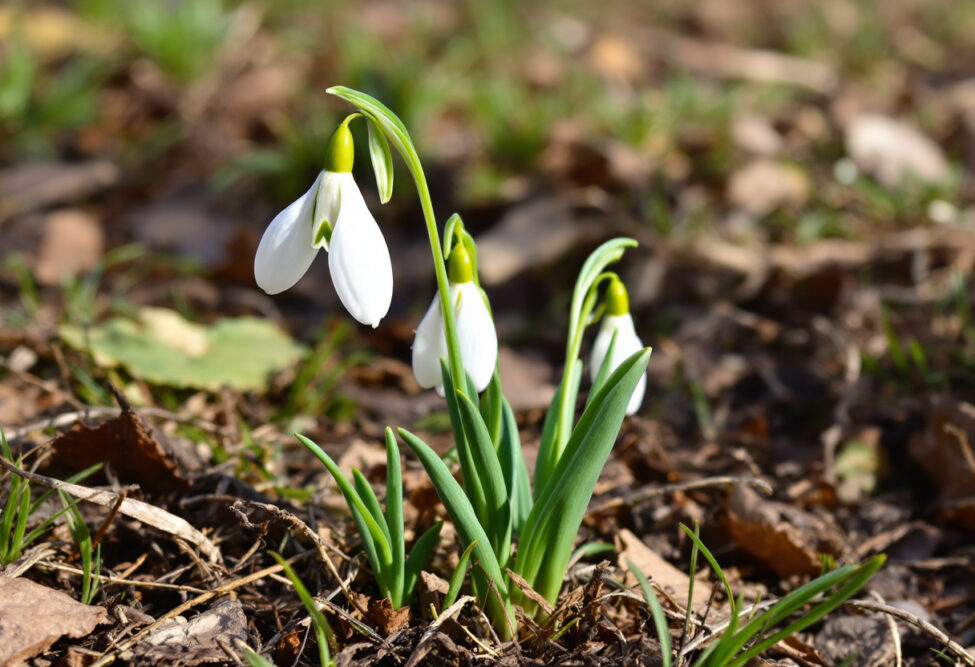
[(491, 407), (465, 521), (380, 555), (73, 479), (369, 499), (554, 521), (457, 578), (394, 516), (545, 463), (382, 159), (498, 516), (473, 486), (714, 564), (323, 630), (419, 557), (591, 549), (657, 612), (10, 509), (21, 525), (850, 579), (515, 471), (255, 659)]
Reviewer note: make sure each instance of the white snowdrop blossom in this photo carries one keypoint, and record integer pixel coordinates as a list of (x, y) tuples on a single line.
[(619, 321), (476, 335), (332, 215)]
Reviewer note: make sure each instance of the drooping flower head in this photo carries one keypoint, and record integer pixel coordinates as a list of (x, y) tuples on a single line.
[(618, 320), (476, 335), (332, 215)]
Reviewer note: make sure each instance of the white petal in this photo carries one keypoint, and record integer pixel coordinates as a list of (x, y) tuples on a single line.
[(429, 347), (627, 342), (475, 333), (358, 259), (286, 250)]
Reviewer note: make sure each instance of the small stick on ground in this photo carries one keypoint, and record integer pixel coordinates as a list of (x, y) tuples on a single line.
[(652, 492), (916, 621)]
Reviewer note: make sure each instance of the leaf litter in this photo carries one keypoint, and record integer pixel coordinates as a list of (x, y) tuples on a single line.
[(756, 297)]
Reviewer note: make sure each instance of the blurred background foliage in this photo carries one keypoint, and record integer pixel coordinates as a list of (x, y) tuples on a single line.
[(486, 87)]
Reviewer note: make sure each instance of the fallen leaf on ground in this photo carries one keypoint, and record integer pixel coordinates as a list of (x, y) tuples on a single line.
[(764, 185), (866, 637), (657, 570), (784, 538), (389, 620), (163, 348), (195, 641), (891, 151), (945, 451), (530, 235), (527, 381), (72, 245), (129, 444), (756, 134), (32, 617)]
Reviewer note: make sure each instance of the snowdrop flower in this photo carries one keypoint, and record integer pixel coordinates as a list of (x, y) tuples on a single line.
[(617, 319), (475, 330), (332, 215)]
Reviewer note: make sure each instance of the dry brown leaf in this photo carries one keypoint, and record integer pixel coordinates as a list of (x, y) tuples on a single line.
[(764, 185), (945, 451), (530, 235), (527, 381), (72, 245), (389, 620), (129, 444), (23, 604), (672, 580), (784, 538), (893, 151), (195, 641), (530, 592)]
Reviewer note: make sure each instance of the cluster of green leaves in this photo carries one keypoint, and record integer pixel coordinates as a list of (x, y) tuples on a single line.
[(382, 532), (495, 502), (738, 644), (18, 507)]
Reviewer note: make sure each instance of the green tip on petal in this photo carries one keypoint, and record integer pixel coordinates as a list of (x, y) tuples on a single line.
[(617, 300), (460, 270), (341, 150)]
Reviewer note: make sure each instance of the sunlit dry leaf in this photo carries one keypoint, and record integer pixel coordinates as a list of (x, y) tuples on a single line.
[(23, 604)]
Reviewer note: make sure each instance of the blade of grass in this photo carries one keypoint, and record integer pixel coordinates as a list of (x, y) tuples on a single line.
[(323, 631), (457, 578), (382, 554), (657, 612), (394, 515)]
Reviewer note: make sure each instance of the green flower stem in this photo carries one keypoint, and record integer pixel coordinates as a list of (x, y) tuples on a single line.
[(396, 132)]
